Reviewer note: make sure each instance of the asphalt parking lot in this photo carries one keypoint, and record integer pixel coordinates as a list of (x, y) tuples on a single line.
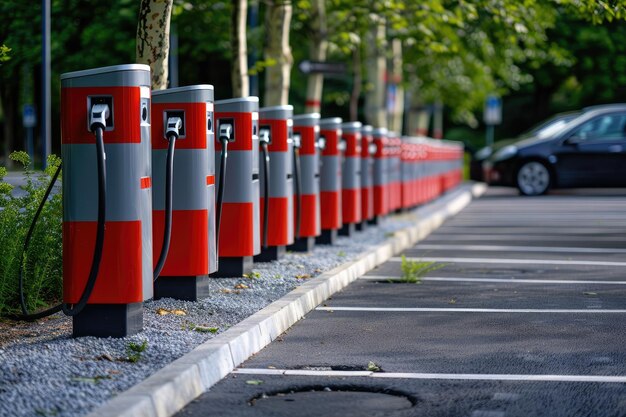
[(526, 316)]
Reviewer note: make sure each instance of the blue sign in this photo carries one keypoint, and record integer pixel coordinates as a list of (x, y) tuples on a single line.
[(29, 118), (493, 110)]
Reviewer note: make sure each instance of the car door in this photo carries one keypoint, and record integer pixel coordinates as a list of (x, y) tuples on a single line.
[(594, 153)]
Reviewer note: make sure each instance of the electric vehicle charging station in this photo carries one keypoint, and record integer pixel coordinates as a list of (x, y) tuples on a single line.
[(351, 178), (237, 207), (381, 174), (406, 167), (395, 168), (368, 150), (192, 254), (307, 147), (113, 102), (330, 180), (277, 123)]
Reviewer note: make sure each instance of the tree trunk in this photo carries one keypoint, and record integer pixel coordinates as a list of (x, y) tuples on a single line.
[(153, 38), (418, 119), (376, 64), (397, 112), (317, 52), (9, 97), (438, 120), (277, 77), (239, 49), (357, 82)]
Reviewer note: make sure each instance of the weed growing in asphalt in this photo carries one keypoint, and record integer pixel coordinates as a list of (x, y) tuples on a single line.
[(414, 271), (43, 263)]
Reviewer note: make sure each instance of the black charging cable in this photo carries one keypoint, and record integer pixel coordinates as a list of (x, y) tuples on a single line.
[(172, 132)]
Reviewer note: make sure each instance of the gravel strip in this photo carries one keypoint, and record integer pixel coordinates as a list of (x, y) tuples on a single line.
[(49, 373)]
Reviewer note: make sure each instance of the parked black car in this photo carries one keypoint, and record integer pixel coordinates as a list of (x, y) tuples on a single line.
[(542, 129), (588, 151)]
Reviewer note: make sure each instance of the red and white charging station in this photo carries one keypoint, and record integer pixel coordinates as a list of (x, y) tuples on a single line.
[(307, 213), (351, 178), (192, 254), (381, 174), (368, 150), (239, 237), (395, 171), (124, 279), (330, 180), (277, 122)]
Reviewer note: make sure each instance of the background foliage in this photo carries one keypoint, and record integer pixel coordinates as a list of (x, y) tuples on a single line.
[(43, 269)]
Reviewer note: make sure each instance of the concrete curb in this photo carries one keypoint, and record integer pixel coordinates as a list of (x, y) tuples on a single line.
[(170, 389)]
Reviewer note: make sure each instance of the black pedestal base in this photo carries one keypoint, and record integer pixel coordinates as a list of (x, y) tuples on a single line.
[(108, 320), (232, 267), (361, 227), (374, 221), (186, 288), (328, 237), (303, 244), (271, 253), (348, 229)]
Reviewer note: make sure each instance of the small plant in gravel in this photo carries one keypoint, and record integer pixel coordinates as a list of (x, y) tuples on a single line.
[(341, 254), (414, 271), (43, 263), (135, 350)]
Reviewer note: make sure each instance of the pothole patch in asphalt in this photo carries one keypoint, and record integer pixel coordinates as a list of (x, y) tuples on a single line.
[(332, 401)]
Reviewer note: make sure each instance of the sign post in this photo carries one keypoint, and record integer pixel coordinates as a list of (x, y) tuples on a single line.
[(29, 121), (317, 67), (492, 116)]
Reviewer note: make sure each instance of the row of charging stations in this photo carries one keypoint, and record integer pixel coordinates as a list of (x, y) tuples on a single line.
[(188, 187)]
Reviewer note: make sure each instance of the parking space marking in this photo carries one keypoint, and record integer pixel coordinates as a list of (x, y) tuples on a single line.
[(531, 237), (512, 248), (510, 261), (467, 310), (494, 280), (412, 375)]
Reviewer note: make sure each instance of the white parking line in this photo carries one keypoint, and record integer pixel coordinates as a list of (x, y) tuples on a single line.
[(410, 375), (512, 248), (495, 280), (510, 261), (467, 310)]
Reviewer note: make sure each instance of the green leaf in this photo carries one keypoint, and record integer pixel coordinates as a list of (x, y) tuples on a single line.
[(372, 367), (254, 382)]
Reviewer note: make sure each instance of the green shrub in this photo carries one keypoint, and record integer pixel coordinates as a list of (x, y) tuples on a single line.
[(43, 264)]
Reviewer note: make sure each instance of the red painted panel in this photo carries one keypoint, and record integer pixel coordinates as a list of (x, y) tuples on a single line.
[(381, 201), (279, 131), (189, 253), (278, 221), (236, 231), (332, 142), (195, 125), (126, 117), (330, 202), (309, 226), (242, 133), (120, 276), (351, 206), (307, 139)]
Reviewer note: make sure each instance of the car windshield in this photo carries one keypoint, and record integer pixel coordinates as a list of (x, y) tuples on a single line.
[(550, 126)]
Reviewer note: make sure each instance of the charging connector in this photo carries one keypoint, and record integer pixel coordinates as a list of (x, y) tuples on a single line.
[(264, 135), (98, 116), (226, 132), (174, 126)]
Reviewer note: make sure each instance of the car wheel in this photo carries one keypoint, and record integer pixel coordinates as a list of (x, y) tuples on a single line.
[(533, 178)]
